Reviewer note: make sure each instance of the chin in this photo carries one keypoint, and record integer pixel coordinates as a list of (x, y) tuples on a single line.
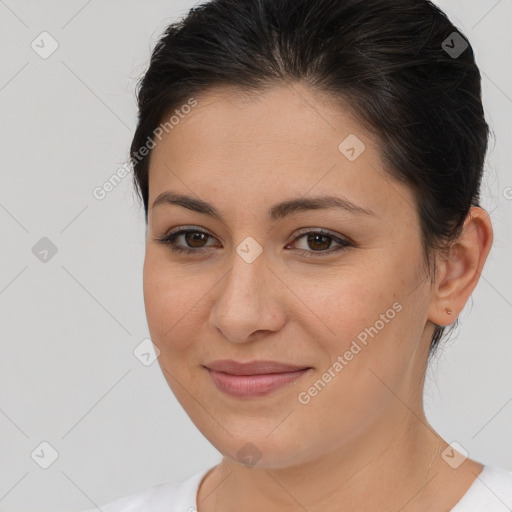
[(259, 450)]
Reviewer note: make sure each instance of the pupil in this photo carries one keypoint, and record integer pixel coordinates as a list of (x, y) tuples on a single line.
[(196, 237), (316, 236)]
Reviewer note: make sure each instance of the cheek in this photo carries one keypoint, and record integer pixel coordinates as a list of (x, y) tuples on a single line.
[(341, 306), (169, 304), (360, 321), (365, 355), (170, 315)]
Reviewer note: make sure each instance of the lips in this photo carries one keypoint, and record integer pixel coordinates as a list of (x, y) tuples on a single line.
[(254, 379), (253, 368)]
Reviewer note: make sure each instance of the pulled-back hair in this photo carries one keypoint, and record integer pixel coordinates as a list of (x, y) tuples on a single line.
[(388, 61)]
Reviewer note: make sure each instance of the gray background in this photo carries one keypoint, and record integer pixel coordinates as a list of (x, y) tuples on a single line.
[(69, 325)]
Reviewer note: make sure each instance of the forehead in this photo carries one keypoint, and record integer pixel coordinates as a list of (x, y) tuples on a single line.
[(294, 114), (287, 141)]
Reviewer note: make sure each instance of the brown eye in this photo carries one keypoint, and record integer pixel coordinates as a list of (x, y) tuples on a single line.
[(195, 238), (318, 243)]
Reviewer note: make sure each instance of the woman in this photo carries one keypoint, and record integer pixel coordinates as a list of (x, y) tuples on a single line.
[(310, 172)]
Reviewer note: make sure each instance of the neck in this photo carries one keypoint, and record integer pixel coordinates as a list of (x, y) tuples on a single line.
[(394, 465)]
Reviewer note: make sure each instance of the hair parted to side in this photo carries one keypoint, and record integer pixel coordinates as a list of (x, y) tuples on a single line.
[(382, 59)]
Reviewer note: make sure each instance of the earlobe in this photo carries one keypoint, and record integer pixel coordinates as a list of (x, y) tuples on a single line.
[(460, 270)]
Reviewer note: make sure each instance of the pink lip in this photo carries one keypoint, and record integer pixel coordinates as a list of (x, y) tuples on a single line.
[(257, 378), (252, 368)]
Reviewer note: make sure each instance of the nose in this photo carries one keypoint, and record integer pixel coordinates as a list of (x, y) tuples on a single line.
[(249, 301)]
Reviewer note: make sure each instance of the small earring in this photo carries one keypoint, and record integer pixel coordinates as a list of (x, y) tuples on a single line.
[(449, 311)]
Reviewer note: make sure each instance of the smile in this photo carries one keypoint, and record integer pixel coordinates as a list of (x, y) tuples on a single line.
[(253, 385)]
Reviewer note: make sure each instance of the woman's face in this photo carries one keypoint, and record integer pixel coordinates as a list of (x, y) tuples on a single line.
[(256, 287)]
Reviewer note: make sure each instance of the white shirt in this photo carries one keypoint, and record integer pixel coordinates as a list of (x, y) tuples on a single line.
[(490, 492)]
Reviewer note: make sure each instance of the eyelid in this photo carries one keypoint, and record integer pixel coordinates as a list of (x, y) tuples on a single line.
[(181, 230), (342, 241), (186, 228), (300, 232), (322, 231)]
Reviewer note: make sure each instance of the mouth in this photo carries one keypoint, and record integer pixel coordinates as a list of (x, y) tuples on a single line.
[(257, 378), (253, 367)]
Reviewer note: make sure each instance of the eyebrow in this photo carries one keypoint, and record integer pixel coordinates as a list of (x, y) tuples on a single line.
[(275, 212)]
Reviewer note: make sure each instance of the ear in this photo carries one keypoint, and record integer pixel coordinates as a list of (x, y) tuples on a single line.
[(458, 271)]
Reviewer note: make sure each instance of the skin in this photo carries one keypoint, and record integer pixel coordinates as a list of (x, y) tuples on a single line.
[(363, 442)]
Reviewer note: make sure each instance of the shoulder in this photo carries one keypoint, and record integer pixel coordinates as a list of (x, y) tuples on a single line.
[(152, 497), (164, 497), (491, 491)]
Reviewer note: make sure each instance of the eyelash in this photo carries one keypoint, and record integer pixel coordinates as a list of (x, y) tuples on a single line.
[(170, 239)]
